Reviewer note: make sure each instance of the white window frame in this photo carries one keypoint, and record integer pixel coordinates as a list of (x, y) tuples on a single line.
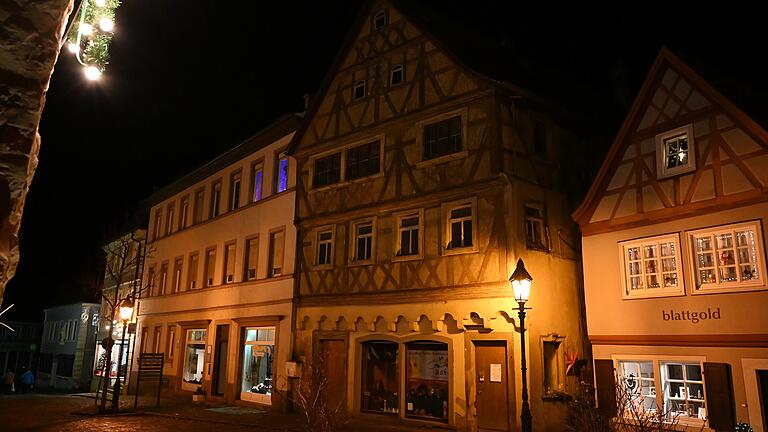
[(248, 252), (755, 284), (398, 218), (395, 68), (353, 238), (661, 152), (316, 251), (463, 113), (446, 218), (646, 292), (658, 362), (542, 243)]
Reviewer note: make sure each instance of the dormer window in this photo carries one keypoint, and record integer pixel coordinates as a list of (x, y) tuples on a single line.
[(358, 91), (396, 75), (675, 152), (379, 20)]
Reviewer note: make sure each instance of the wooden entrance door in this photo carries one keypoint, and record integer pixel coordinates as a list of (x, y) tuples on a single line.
[(491, 384), (334, 355)]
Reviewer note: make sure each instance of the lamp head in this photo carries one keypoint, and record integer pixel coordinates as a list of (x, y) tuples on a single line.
[(521, 282), (126, 309)]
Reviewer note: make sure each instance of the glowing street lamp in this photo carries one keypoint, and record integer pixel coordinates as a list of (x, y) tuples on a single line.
[(126, 313), (521, 282)]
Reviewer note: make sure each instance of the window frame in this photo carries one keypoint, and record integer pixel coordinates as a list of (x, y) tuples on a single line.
[(279, 156), (530, 244), (214, 209), (226, 257), (463, 114), (170, 214), (396, 68), (662, 171), (626, 292), (163, 285), (157, 224), (256, 166), (183, 212), (236, 178), (342, 151), (446, 209), (199, 204), (727, 287), (353, 260), (247, 252), (359, 84), (396, 247), (345, 159), (191, 270), (178, 267), (271, 257), (380, 13), (316, 247), (209, 282)]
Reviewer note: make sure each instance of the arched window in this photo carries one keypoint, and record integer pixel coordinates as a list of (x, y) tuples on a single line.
[(380, 383), (396, 75), (380, 19), (358, 91)]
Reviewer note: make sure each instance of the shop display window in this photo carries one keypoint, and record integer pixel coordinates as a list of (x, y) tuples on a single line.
[(379, 377), (426, 377), (194, 359), (258, 362)]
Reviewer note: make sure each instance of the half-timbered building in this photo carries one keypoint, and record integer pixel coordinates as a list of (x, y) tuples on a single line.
[(674, 255), (421, 181)]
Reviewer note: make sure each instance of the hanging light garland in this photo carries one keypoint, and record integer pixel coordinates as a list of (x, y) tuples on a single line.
[(90, 34)]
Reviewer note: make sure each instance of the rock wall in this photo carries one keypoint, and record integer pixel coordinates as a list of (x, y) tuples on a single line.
[(31, 33)]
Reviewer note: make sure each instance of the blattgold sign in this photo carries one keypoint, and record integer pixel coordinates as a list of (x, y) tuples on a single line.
[(693, 316)]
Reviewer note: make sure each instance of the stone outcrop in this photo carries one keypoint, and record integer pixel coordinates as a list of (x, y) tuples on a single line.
[(31, 34)]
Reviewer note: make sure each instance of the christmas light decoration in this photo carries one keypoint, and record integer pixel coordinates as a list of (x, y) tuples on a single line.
[(90, 35)]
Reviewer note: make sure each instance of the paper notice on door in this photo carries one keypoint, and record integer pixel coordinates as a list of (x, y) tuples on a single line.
[(495, 372)]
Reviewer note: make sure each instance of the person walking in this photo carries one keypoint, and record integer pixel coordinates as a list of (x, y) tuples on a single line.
[(27, 378), (10, 379)]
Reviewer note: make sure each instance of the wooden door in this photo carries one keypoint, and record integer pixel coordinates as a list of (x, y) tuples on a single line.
[(334, 364), (491, 384)]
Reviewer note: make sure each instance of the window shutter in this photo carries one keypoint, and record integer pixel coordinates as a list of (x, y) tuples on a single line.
[(605, 382), (719, 391)]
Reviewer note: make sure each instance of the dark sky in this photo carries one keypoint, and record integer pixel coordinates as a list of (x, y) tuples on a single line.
[(189, 79)]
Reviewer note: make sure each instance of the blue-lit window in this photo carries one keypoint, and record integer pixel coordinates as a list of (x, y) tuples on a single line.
[(282, 174), (257, 179)]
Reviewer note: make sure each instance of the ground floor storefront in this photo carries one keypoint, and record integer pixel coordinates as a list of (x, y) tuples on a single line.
[(232, 354), (455, 364), (702, 386)]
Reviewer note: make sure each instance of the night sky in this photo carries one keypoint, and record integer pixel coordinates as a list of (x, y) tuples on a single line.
[(190, 79)]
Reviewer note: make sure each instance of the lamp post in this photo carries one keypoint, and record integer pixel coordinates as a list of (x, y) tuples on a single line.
[(126, 313), (521, 286)]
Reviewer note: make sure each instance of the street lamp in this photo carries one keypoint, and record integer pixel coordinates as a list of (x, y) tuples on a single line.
[(126, 313), (521, 286)]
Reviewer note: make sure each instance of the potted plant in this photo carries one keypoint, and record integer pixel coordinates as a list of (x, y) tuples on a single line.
[(198, 395)]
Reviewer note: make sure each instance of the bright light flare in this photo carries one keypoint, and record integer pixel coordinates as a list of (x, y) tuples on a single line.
[(92, 73), (86, 29), (106, 24), (73, 48), (101, 3)]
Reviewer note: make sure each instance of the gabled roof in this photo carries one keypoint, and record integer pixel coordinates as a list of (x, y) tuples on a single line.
[(477, 53), (664, 59)]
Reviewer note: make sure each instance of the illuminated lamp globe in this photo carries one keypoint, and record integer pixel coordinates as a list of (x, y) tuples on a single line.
[(73, 48), (92, 73), (521, 282), (86, 29), (126, 309), (101, 3), (106, 24)]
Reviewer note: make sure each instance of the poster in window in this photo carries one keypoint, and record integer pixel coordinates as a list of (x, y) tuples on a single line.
[(427, 381)]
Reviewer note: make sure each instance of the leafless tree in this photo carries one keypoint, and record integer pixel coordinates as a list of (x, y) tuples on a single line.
[(310, 396)]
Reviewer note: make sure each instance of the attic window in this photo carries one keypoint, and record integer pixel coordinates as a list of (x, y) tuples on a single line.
[(675, 152), (396, 75), (358, 91), (379, 20)]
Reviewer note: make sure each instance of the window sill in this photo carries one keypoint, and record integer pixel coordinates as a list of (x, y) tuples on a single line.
[(669, 293), (442, 159), (345, 183), (537, 247), (361, 263), (557, 397), (401, 258), (321, 267), (727, 289), (459, 251)]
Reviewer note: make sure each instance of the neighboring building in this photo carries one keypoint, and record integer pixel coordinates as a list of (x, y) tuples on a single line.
[(19, 348), (220, 264), (67, 350), (124, 267), (421, 181), (674, 254)]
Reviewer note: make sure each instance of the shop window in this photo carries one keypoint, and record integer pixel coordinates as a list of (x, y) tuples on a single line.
[(675, 152), (194, 359), (251, 258), (652, 267), (215, 198), (177, 272), (535, 231), (192, 271), (258, 363), (327, 170), (442, 138), (396, 75), (380, 384), (408, 236), (197, 212), (234, 190), (65, 364), (639, 385), (324, 247), (281, 176), (728, 257), (210, 267), (426, 380), (358, 90), (683, 390), (460, 226), (229, 264), (257, 181), (363, 248), (363, 160), (169, 220), (276, 248)]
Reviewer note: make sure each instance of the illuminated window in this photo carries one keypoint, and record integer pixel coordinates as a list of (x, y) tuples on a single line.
[(675, 152), (683, 387), (396, 75), (281, 178), (194, 359), (380, 383), (358, 90), (426, 378), (442, 138), (652, 266), (728, 257), (639, 384), (257, 180), (324, 247)]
